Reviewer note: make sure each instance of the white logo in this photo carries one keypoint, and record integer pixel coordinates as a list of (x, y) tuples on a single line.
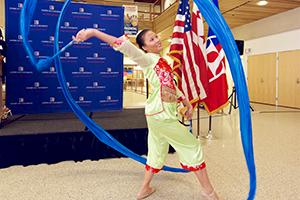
[(20, 5), (52, 69), (108, 69), (67, 24), (68, 84), (81, 69), (81, 98), (95, 55), (36, 53), (36, 22), (81, 10), (109, 12), (67, 54), (20, 37), (51, 38), (36, 84), (95, 84), (52, 99), (20, 69), (108, 97), (95, 25), (51, 7), (21, 100)]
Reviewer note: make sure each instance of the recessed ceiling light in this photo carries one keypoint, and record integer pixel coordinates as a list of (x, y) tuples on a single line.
[(262, 3)]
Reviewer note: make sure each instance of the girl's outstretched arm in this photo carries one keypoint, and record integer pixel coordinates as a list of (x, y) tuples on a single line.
[(121, 44), (85, 34)]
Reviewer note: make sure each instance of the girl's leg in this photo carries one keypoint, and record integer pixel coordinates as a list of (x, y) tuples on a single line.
[(157, 152), (190, 154), (208, 190), (146, 189)]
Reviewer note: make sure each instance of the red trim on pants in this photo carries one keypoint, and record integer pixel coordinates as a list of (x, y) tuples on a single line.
[(151, 169), (194, 168)]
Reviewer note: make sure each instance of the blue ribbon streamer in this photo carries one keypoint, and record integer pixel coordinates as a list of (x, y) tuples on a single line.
[(222, 31), (100, 133), (219, 26), (25, 20)]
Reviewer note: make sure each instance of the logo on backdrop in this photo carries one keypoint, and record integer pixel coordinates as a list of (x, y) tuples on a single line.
[(68, 57), (109, 72), (17, 40), (96, 26), (71, 87), (67, 27), (50, 41), (81, 13), (21, 70), (82, 71), (51, 71), (51, 10), (37, 55), (21, 101), (18, 7), (82, 100), (96, 58), (109, 99), (95, 86), (37, 25), (52, 101), (109, 14), (36, 86)]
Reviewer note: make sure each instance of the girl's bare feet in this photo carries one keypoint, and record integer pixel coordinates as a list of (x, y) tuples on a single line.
[(145, 192), (212, 196)]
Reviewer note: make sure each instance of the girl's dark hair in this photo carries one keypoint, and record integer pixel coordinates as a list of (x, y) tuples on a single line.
[(140, 38)]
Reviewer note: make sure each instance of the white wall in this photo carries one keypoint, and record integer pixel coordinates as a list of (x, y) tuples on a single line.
[(277, 33), (274, 43), (280, 23)]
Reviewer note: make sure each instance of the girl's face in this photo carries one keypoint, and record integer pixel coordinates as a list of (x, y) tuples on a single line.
[(152, 43)]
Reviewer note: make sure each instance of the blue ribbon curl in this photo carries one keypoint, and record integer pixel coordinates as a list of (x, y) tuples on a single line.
[(222, 31), (100, 133), (219, 26)]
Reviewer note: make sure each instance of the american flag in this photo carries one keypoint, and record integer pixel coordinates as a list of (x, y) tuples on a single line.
[(217, 90), (187, 50)]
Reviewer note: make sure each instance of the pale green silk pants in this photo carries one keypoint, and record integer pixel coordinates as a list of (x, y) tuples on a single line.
[(164, 132)]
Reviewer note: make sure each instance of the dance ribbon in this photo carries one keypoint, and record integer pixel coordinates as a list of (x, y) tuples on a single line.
[(218, 24), (25, 20), (100, 133)]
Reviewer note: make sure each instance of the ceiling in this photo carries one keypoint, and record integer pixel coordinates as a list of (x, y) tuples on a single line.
[(235, 12), (148, 1), (240, 12)]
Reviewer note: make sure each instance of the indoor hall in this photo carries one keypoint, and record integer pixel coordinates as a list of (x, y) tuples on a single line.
[(50, 154)]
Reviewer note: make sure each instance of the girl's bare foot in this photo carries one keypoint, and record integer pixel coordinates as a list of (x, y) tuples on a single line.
[(211, 196), (145, 192)]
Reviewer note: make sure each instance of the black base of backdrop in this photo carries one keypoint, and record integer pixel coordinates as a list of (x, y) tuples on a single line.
[(52, 148), (52, 138)]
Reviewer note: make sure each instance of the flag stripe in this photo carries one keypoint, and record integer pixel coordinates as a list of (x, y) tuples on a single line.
[(186, 50)]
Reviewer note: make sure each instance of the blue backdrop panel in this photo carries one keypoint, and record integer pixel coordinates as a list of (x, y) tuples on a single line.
[(94, 71)]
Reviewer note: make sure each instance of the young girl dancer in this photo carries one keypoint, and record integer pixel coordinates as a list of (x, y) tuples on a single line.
[(160, 110)]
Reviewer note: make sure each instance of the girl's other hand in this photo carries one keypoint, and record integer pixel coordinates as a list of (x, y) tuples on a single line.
[(82, 35)]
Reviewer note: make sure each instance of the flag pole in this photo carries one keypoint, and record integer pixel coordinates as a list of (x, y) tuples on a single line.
[(198, 121)]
